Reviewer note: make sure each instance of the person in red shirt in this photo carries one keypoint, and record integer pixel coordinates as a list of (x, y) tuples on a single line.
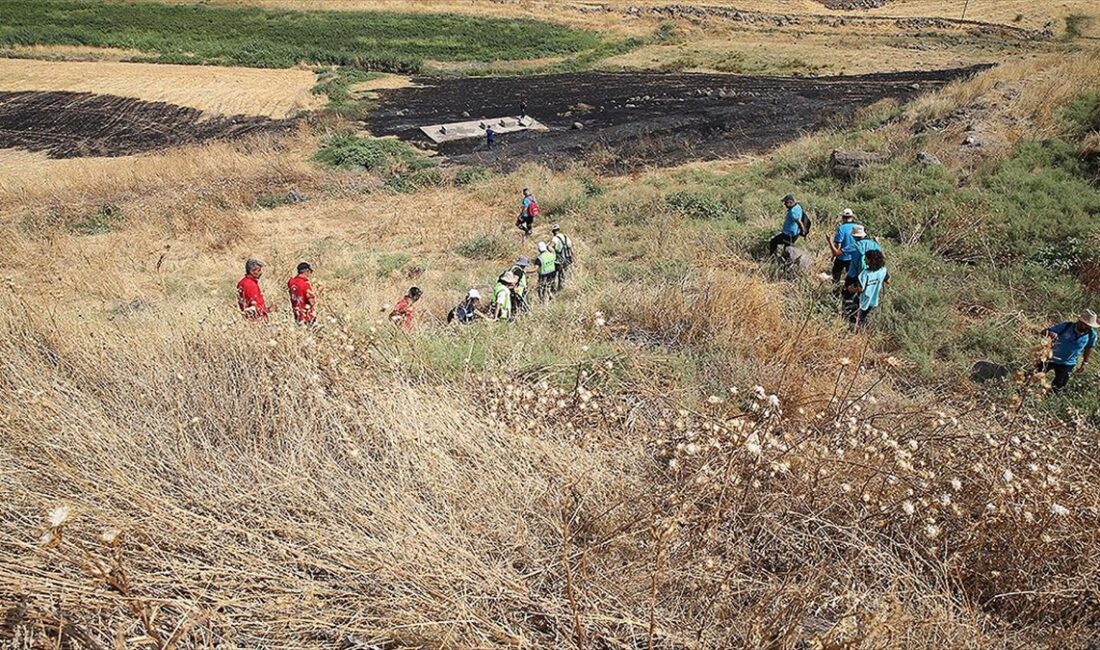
[(301, 295), (402, 313), (249, 296)]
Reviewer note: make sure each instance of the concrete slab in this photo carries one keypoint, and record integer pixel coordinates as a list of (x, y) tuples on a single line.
[(476, 128)]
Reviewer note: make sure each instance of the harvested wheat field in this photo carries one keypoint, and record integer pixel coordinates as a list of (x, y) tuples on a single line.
[(213, 90), (688, 444)]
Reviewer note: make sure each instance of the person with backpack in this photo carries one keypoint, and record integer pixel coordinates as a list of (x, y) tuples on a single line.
[(519, 292), (548, 271), (1070, 342), (796, 224), (465, 312), (867, 289), (563, 252), (502, 297), (528, 212), (840, 241)]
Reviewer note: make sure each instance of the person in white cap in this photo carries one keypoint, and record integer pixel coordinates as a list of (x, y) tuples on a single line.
[(502, 296), (841, 240), (857, 251), (1071, 347), (466, 311), (547, 264)]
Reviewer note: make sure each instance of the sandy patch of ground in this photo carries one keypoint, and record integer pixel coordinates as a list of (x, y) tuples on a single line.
[(211, 89)]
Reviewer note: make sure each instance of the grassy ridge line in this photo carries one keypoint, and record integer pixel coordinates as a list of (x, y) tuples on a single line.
[(280, 39)]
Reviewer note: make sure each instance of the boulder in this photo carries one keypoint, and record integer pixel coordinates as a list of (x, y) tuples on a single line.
[(928, 160), (577, 126), (985, 370), (799, 260), (846, 163)]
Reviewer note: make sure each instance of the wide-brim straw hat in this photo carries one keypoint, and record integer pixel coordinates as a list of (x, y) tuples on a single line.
[(1088, 317)]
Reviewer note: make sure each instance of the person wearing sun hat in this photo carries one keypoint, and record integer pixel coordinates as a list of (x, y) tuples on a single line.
[(841, 240), (1071, 347)]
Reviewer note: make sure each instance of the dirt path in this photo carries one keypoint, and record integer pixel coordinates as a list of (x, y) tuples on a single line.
[(629, 120), (72, 125)]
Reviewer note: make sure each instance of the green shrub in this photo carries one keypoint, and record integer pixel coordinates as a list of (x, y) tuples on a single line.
[(390, 262), (472, 176), (106, 218), (384, 156), (483, 247), (704, 206)]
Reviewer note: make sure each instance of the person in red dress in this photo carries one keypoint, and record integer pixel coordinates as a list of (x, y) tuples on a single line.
[(249, 296), (302, 299), (402, 313)]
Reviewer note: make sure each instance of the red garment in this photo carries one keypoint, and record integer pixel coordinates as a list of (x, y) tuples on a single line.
[(301, 299), (404, 309), (249, 295)]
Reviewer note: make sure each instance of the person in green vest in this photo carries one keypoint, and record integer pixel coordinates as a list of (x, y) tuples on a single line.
[(519, 293), (548, 271), (562, 246), (502, 297)]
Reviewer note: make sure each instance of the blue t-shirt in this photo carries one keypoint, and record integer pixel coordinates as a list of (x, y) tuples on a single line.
[(856, 252), (1069, 344), (790, 224), (527, 201), (871, 282), (843, 239)]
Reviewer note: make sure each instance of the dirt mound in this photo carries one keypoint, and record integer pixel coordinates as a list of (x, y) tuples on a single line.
[(637, 119), (73, 125)]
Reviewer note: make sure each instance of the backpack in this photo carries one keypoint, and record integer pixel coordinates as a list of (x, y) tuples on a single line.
[(533, 209), (566, 250), (805, 223)]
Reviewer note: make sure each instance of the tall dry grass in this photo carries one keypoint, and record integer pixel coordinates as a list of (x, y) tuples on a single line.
[(661, 461)]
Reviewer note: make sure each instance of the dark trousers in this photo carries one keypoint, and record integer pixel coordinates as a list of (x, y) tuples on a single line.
[(525, 223), (781, 239), (859, 318), (1061, 373), (840, 268)]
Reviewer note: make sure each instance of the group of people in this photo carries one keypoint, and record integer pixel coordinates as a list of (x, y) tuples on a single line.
[(859, 265), (551, 265), (510, 297)]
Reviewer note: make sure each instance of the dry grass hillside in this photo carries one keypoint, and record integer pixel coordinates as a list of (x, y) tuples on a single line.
[(682, 451)]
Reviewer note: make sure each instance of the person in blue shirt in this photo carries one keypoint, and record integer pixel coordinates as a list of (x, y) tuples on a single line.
[(1069, 342), (856, 251), (867, 290), (792, 225), (490, 138), (840, 241), (528, 212)]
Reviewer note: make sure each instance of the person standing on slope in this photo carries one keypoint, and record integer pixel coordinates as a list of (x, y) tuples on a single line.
[(794, 225), (562, 246), (302, 298), (548, 271), (856, 251), (867, 289), (519, 292), (840, 241), (1069, 342), (502, 297), (250, 298), (528, 212), (402, 313)]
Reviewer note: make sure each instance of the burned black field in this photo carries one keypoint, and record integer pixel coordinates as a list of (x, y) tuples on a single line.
[(628, 120)]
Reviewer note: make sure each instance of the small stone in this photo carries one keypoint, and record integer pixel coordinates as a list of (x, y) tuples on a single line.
[(577, 126), (927, 159)]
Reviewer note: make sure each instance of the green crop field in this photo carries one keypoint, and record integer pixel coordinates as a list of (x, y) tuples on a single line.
[(277, 39)]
